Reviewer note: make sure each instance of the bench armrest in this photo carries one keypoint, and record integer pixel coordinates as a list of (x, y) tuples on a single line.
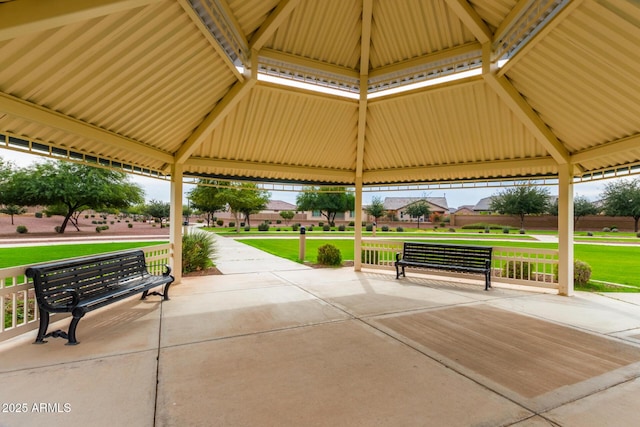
[(167, 270), (398, 256), (74, 296)]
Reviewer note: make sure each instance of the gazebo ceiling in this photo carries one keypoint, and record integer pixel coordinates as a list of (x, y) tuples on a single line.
[(146, 84)]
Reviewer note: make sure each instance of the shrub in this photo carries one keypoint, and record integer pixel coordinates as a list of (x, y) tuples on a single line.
[(581, 273), (320, 224), (487, 229), (481, 226), (385, 228), (57, 228), (247, 228), (369, 227), (310, 227), (341, 227), (435, 228), (198, 251), (522, 231), (38, 214), (326, 227), (614, 230), (637, 234), (295, 227), (241, 224), (263, 227), (589, 233), (351, 223), (452, 230), (329, 255), (505, 230), (442, 224), (130, 225), (220, 222), (606, 230), (21, 229), (517, 270), (232, 224), (113, 222), (278, 229), (278, 221), (98, 229), (399, 229)]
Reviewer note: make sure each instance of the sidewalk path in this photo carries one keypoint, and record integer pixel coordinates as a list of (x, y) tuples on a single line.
[(235, 257)]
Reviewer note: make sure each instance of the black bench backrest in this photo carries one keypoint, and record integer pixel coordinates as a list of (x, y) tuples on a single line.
[(444, 254), (88, 276)]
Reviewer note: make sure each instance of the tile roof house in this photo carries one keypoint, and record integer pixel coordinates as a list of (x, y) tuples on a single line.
[(397, 205)]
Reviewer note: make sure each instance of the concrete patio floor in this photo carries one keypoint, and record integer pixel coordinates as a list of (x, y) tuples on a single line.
[(273, 343)]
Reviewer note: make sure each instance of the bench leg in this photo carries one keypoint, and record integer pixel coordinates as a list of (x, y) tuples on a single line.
[(487, 280), (165, 293), (71, 335), (44, 324)]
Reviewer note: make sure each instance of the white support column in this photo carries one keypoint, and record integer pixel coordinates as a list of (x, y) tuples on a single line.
[(565, 230), (357, 244), (175, 231)]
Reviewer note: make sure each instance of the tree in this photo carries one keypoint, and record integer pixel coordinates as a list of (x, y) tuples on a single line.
[(158, 210), (622, 198), (521, 201), (418, 209), (208, 198), (12, 210), (376, 208), (287, 216), (246, 199), (581, 207), (329, 201), (75, 187)]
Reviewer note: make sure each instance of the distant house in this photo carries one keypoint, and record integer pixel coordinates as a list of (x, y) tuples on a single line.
[(397, 206), (464, 210), (483, 205), (277, 206)]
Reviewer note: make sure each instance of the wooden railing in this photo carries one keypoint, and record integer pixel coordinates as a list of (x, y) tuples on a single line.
[(524, 266), (18, 307)]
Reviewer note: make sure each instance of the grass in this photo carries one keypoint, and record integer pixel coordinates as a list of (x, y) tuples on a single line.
[(614, 264), (29, 255)]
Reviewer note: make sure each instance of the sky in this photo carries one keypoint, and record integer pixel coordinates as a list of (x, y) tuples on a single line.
[(156, 189)]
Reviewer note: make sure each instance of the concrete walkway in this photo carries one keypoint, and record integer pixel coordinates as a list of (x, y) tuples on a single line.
[(273, 343)]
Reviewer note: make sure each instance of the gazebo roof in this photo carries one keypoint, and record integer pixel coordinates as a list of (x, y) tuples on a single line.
[(146, 84)]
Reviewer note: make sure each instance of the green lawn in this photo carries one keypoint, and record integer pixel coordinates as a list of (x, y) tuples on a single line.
[(28, 255), (615, 264)]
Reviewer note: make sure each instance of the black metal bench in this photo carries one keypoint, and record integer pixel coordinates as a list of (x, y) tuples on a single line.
[(80, 285), (457, 258)]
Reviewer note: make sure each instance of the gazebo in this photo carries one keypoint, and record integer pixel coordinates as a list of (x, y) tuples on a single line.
[(386, 92)]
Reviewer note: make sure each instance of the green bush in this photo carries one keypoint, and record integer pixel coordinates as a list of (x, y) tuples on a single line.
[(369, 227), (452, 230), (385, 228), (329, 255), (522, 231), (341, 227), (247, 228), (98, 229), (21, 229), (606, 230), (487, 229), (442, 224), (295, 227), (263, 227), (198, 251), (130, 225), (589, 233), (232, 224), (505, 230), (517, 270), (220, 222), (326, 227), (399, 229), (310, 227), (481, 226), (351, 223), (38, 214), (581, 273)]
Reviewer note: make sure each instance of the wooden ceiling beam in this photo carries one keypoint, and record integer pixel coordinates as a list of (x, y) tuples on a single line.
[(23, 17)]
